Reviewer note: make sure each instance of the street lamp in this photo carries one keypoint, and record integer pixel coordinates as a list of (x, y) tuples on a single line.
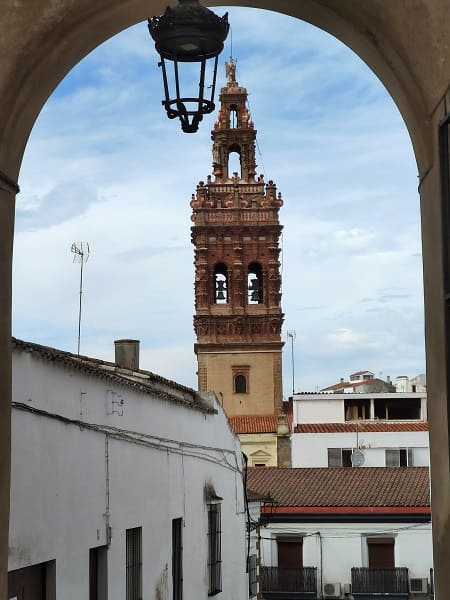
[(189, 33)]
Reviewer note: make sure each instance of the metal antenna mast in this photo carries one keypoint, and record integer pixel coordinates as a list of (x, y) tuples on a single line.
[(80, 254), (292, 335)]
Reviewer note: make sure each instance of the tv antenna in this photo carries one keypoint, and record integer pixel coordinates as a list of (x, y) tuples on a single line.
[(291, 334), (81, 254)]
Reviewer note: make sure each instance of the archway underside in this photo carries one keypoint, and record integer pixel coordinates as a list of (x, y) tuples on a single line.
[(404, 43)]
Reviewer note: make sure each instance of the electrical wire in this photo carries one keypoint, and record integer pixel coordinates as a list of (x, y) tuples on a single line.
[(348, 533), (219, 456)]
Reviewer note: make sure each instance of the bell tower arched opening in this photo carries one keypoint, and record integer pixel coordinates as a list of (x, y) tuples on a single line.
[(255, 284), (220, 283)]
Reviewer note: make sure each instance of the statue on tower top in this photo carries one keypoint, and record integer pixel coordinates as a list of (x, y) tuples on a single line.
[(230, 71)]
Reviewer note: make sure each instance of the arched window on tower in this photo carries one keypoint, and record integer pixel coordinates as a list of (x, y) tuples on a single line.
[(234, 160), (255, 284), (220, 284), (240, 384), (234, 117)]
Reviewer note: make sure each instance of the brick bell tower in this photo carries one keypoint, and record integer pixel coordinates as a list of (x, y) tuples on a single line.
[(236, 235)]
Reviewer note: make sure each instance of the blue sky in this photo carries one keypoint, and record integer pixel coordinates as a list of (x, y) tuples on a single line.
[(105, 165)]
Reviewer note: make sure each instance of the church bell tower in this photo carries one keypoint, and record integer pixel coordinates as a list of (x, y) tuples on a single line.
[(236, 234)]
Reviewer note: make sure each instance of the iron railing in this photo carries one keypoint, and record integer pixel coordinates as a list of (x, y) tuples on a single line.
[(279, 579), (380, 581)]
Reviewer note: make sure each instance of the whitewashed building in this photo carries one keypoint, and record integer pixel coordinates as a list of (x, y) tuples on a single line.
[(124, 485), (345, 533), (328, 531), (360, 429)]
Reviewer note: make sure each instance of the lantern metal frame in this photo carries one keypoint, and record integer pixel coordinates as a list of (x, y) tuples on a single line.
[(188, 33)]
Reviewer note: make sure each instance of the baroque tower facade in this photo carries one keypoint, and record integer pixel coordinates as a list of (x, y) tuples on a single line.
[(236, 234)]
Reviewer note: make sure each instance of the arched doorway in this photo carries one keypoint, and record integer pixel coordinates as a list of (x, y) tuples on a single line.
[(405, 48)]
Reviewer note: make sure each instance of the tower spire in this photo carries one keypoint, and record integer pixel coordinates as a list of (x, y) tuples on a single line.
[(233, 131)]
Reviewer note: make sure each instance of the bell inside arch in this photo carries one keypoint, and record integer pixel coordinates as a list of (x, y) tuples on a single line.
[(220, 290), (254, 289)]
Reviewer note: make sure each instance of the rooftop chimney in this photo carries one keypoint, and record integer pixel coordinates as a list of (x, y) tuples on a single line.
[(127, 354)]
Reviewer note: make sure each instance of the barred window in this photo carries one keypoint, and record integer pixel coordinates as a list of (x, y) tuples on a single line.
[(134, 564), (177, 559), (252, 576), (214, 550)]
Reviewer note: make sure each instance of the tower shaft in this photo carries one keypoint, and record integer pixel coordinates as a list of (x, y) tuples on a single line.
[(236, 236)]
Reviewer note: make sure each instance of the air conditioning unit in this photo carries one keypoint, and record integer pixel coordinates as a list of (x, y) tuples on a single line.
[(418, 586), (347, 589), (332, 590)]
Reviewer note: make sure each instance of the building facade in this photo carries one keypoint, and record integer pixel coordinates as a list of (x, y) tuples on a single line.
[(360, 429), (345, 533), (124, 485), (236, 234)]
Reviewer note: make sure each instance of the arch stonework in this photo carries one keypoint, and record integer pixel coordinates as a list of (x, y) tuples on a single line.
[(406, 43)]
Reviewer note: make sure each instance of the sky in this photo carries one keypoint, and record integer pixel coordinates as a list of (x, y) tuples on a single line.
[(105, 166)]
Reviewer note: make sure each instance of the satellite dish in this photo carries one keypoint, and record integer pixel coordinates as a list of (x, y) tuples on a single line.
[(357, 458)]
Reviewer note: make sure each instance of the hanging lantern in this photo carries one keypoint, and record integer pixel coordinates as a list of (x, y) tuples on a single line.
[(189, 35)]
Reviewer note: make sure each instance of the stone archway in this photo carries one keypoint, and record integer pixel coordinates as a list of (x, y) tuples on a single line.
[(405, 43)]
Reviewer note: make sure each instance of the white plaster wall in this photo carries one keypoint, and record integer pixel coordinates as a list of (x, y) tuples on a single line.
[(329, 408), (319, 410), (310, 449), (344, 546), (59, 484)]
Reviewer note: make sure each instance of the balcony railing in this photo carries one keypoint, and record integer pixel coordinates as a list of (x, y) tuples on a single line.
[(279, 579), (379, 581)]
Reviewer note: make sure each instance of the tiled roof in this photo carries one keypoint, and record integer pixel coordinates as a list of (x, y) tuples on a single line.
[(253, 496), (140, 380), (345, 384), (384, 426), (343, 487), (256, 423), (361, 373)]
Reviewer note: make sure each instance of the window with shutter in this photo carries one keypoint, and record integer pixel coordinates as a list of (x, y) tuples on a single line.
[(290, 552), (381, 553), (399, 457)]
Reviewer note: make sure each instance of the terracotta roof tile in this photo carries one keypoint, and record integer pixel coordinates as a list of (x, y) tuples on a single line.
[(256, 423), (360, 373), (384, 426), (345, 384), (343, 487), (253, 496)]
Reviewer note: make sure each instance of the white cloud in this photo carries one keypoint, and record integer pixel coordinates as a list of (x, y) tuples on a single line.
[(105, 165), (347, 339)]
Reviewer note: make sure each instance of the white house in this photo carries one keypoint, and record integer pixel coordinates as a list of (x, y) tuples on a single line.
[(414, 384), (345, 533), (360, 429), (360, 382), (124, 485)]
